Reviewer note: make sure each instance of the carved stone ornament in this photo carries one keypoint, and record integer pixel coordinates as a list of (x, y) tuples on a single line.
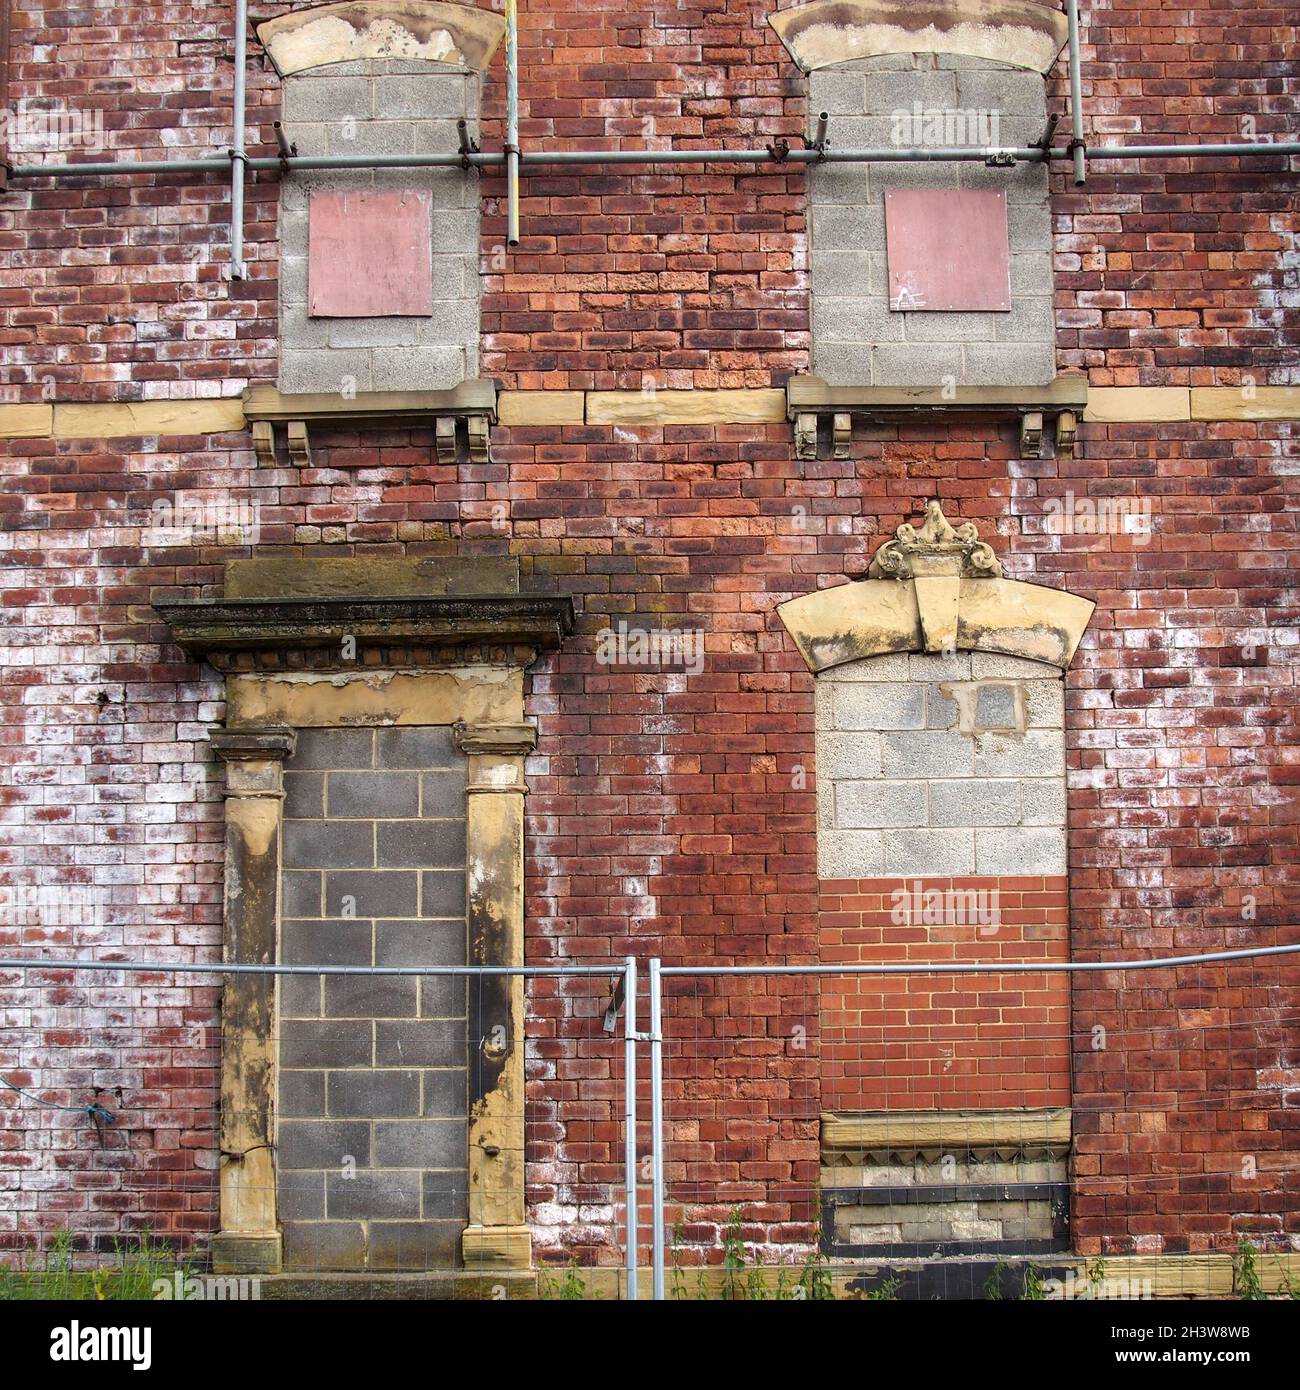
[(936, 547)]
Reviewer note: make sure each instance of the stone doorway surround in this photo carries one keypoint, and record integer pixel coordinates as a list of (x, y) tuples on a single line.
[(337, 642)]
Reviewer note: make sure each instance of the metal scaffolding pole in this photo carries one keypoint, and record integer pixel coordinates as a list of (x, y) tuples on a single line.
[(512, 123), (657, 1125), (629, 1121), (238, 152), (1077, 148)]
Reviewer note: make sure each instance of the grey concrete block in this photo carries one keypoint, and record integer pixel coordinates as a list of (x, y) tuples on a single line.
[(869, 130), (329, 371), (420, 1143), (300, 997), (326, 98), (843, 364), (875, 805), (899, 174), (373, 332), (842, 755), (891, 667), (301, 894), (830, 89), (422, 98), (850, 854), (329, 844), (1031, 320), (1032, 275), (374, 1092), (455, 231), (994, 666), (858, 320), (450, 274), (367, 1195), (927, 753), (1030, 228), (326, 1245), (298, 332), (1009, 92), (300, 1196), (304, 795), (371, 996), (445, 1090), (446, 1196), (442, 794), (323, 1144), (415, 1245), (430, 844), (847, 274), (928, 851), (936, 666), (1022, 851), (417, 748), (1044, 801), (902, 91), (383, 893), (432, 942), (1037, 753), (326, 942), (371, 137), (837, 184), (975, 802), (1026, 182), (421, 1044), (940, 709), (333, 748), (328, 1043), (918, 364), (379, 794), (879, 705), (442, 893), (949, 327), (996, 707), (437, 137), (1009, 364), (418, 369), (302, 1093), (452, 321), (443, 997), (847, 228), (293, 281)]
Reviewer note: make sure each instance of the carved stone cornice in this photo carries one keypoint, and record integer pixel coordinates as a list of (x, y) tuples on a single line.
[(348, 634)]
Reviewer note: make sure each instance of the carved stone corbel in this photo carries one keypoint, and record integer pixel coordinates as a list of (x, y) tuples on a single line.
[(805, 436)]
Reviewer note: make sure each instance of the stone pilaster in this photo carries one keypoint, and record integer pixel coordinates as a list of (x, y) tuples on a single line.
[(249, 1238), (497, 1234)]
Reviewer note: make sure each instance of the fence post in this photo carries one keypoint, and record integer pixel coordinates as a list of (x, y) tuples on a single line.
[(629, 1120), (657, 1123)]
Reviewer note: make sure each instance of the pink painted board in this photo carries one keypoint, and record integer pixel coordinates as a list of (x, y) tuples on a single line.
[(369, 254), (948, 250)]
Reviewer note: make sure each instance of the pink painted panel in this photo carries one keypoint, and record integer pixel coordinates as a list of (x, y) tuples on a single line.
[(948, 250), (369, 254)]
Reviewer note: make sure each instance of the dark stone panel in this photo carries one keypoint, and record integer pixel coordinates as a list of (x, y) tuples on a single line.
[(328, 1043), (374, 1092), (302, 1093), (382, 893), (372, 1194), (442, 794), (330, 748), (446, 1195), (304, 795), (324, 1245), (300, 894), (442, 893), (330, 844), (326, 1144), (419, 1143), (382, 795), (326, 941), (422, 844), (415, 1244), (432, 1044), (371, 996), (417, 748), (420, 943)]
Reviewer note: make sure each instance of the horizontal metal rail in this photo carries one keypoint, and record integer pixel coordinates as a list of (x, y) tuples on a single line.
[(541, 158)]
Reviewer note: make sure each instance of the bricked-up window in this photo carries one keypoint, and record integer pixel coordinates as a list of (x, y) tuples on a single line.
[(372, 1156), (369, 254), (941, 832)]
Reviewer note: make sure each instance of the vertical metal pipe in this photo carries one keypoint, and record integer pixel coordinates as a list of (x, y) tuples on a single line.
[(238, 153), (657, 1122), (629, 1119), (1076, 95), (512, 123), (823, 124)]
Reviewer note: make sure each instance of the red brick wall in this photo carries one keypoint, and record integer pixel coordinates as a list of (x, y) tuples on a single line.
[(944, 1042), (667, 814)]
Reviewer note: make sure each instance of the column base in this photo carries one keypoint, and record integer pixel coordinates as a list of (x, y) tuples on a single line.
[(497, 1247), (235, 1253)]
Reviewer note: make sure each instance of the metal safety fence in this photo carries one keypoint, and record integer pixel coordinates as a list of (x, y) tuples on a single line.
[(725, 1112)]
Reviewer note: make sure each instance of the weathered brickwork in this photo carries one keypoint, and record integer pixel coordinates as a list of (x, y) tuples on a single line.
[(669, 813)]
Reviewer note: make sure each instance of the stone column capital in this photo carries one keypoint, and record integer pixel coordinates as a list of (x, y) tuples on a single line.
[(273, 743), (501, 740)]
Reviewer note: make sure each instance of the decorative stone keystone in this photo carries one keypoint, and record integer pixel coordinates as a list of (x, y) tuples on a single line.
[(249, 1239)]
